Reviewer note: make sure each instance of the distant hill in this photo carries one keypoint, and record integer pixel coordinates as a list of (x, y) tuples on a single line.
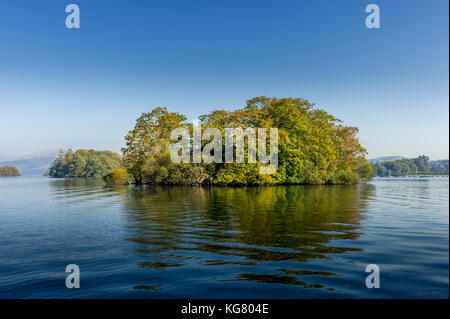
[(6, 157), (35, 164), (385, 159)]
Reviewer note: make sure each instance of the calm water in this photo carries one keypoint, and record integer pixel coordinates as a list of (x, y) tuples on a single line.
[(267, 242)]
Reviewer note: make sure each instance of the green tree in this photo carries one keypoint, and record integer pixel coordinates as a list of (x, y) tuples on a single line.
[(314, 148), (149, 129), (84, 163), (118, 176), (422, 163)]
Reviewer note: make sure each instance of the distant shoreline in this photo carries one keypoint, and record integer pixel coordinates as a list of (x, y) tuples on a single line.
[(413, 177)]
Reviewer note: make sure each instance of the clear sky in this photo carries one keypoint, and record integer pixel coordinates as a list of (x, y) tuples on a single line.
[(84, 88)]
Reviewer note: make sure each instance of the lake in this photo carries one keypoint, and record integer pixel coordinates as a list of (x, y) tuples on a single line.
[(223, 242)]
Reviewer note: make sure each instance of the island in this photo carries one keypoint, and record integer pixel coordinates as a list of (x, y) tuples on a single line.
[(84, 163), (313, 147), (9, 171), (307, 146)]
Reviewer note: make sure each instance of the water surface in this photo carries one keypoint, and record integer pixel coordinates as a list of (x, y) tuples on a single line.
[(223, 242)]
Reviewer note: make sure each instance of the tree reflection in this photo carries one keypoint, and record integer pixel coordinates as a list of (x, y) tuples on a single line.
[(240, 227)]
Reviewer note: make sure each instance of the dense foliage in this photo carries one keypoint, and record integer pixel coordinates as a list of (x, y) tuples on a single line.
[(84, 163), (142, 143), (9, 171), (117, 176), (314, 148), (439, 167), (408, 166)]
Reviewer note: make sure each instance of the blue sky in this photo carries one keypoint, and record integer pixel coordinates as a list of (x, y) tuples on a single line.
[(84, 88)]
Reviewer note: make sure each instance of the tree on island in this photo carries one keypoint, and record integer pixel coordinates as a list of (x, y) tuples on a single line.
[(84, 163), (313, 147), (9, 171)]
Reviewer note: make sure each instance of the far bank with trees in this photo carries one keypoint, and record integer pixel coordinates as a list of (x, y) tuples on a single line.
[(419, 166)]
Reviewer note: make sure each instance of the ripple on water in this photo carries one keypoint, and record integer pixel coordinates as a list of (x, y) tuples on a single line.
[(258, 242)]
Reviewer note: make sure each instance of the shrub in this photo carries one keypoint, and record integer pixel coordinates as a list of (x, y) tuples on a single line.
[(117, 176)]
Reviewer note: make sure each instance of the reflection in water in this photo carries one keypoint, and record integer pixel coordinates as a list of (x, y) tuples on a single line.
[(279, 279), (237, 227), (218, 242), (80, 189), (148, 287)]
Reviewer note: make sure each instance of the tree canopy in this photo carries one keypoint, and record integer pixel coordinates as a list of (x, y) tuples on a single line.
[(151, 128), (313, 147), (84, 163)]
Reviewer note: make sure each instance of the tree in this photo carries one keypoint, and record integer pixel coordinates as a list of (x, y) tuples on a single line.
[(314, 148), (422, 163), (117, 176), (149, 129)]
